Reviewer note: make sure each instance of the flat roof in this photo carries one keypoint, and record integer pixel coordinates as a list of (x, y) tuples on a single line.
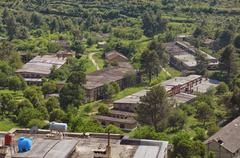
[(133, 98), (183, 97), (169, 84), (107, 75), (42, 64), (87, 143), (114, 119), (187, 59), (49, 148), (205, 85)]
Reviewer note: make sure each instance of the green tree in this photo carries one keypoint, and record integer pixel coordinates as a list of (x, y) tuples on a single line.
[(36, 20), (150, 64), (103, 110), (5, 100), (16, 83), (204, 112), (27, 114), (177, 119), (71, 94), (34, 95), (49, 87), (52, 103), (230, 62), (58, 115), (108, 91), (37, 122), (237, 42), (77, 77), (78, 47), (11, 27), (154, 107), (153, 24), (222, 88)]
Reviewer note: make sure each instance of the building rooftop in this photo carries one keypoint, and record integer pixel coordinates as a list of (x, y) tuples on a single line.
[(107, 75), (183, 98), (42, 64), (114, 54), (169, 84), (85, 144), (228, 136), (115, 119), (133, 98)]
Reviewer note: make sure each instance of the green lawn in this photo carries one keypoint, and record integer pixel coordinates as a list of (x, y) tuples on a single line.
[(6, 125), (129, 91), (99, 60)]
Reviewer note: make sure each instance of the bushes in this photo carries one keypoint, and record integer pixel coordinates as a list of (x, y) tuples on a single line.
[(37, 122), (128, 33)]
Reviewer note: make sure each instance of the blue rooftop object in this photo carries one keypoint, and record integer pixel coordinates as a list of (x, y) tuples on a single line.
[(24, 144)]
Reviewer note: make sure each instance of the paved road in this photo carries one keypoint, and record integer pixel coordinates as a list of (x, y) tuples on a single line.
[(90, 56)]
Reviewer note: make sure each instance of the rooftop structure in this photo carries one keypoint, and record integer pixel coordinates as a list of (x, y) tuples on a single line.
[(40, 66), (180, 58), (115, 56), (86, 145), (226, 142), (117, 74), (107, 75)]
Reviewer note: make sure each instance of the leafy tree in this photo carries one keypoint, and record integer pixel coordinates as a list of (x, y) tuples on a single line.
[(36, 20), (52, 103), (153, 24), (108, 91), (103, 110), (177, 119), (204, 112), (160, 50), (116, 87), (54, 25), (11, 27), (58, 115), (49, 87), (22, 33), (16, 83), (154, 107), (224, 38), (148, 132), (78, 47), (229, 61), (198, 32), (200, 134), (5, 103), (77, 77), (71, 94), (53, 47), (113, 129), (237, 42), (150, 64), (27, 114), (24, 103), (222, 88), (37, 122), (183, 147), (34, 95), (5, 15)]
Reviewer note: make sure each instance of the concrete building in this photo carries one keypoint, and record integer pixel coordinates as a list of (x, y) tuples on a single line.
[(83, 145), (226, 142), (183, 56), (119, 74), (180, 90), (40, 66)]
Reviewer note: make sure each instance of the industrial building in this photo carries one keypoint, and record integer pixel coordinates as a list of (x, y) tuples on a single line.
[(117, 74), (183, 57), (40, 66), (180, 90), (80, 145)]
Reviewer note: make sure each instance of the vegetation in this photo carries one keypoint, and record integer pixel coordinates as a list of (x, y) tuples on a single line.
[(138, 30)]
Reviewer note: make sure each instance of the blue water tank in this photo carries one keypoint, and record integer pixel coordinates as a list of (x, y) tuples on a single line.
[(24, 144)]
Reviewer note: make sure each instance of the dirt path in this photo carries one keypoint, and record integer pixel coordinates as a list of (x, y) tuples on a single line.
[(166, 71), (90, 56)]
